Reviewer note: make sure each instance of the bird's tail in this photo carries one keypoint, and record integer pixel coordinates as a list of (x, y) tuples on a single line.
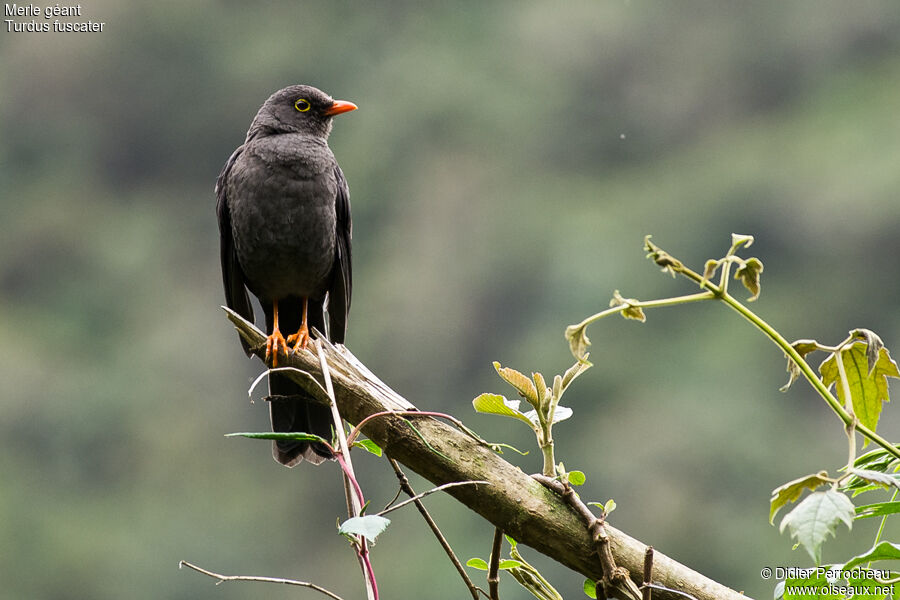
[(293, 410)]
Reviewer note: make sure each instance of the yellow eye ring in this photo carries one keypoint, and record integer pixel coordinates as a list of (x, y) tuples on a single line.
[(302, 105)]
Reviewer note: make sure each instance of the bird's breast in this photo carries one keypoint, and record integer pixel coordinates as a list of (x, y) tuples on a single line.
[(283, 222)]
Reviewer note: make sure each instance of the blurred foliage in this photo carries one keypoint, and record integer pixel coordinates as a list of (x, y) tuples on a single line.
[(506, 161)]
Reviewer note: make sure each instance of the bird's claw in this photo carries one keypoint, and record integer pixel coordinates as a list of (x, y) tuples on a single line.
[(300, 340), (275, 343)]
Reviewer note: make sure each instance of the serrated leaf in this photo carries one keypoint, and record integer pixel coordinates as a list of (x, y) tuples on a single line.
[(369, 526), (518, 380), (590, 588), (576, 477), (802, 347), (509, 563), (878, 509), (578, 340), (873, 345), (494, 404), (369, 446), (876, 477), (792, 490), (881, 551), (868, 389), (816, 517), (632, 311), (477, 563), (749, 273), (560, 414)]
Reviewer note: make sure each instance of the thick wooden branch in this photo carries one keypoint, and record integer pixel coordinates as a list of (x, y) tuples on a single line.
[(513, 501)]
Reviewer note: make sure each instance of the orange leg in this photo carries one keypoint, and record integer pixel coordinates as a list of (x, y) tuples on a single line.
[(275, 342), (300, 339)]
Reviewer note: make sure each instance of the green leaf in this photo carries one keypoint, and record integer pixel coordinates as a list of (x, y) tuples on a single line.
[(632, 311), (508, 563), (576, 477), (590, 588), (816, 517), (494, 404), (578, 340), (792, 490), (368, 446), (270, 435), (868, 388), (870, 589), (749, 273), (878, 509), (477, 563), (803, 347), (369, 526), (881, 551), (512, 543), (607, 508)]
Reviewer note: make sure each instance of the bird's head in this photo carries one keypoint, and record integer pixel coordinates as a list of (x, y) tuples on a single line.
[(298, 109)]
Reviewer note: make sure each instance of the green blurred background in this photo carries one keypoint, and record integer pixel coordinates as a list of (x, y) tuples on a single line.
[(506, 161)]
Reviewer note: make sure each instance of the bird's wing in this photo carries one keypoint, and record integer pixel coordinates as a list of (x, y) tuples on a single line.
[(232, 275), (342, 275)]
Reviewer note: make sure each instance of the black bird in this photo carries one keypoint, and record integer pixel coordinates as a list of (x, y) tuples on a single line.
[(284, 223)]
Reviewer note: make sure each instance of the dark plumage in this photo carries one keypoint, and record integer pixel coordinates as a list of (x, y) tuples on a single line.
[(284, 222)]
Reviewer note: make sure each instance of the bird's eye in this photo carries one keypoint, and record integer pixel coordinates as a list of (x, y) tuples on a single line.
[(302, 105)]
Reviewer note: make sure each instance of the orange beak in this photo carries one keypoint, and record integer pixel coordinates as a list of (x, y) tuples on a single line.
[(340, 106)]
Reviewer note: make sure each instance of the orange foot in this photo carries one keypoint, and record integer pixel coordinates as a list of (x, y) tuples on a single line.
[(300, 340), (275, 343)]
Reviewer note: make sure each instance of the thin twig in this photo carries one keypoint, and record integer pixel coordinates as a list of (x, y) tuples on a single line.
[(493, 577), (353, 492), (646, 590), (354, 433), (614, 577), (418, 497), (407, 488), (224, 578)]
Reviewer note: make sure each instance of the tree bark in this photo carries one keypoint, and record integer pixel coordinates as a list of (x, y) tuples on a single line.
[(513, 501)]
